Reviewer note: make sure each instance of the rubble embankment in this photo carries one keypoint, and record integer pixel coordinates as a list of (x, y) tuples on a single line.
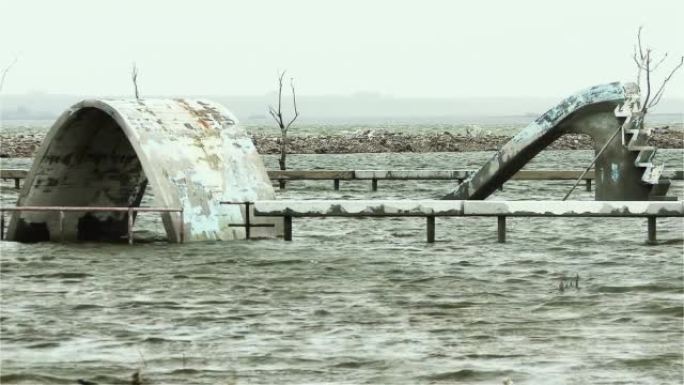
[(368, 141)]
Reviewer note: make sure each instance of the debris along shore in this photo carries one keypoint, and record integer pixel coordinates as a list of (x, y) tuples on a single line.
[(368, 141)]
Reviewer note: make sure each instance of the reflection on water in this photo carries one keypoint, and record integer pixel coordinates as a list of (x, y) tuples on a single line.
[(357, 300)]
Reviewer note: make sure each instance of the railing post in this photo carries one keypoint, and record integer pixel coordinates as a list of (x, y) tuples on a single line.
[(588, 184), (336, 184), (16, 183), (130, 225), (61, 225), (2, 225), (182, 228), (651, 229), (247, 224), (374, 184), (501, 228), (287, 228), (431, 228)]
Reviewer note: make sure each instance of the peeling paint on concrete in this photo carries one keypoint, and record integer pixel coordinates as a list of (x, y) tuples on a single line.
[(192, 153), (614, 172)]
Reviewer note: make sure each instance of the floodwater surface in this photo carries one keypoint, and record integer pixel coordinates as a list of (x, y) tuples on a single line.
[(357, 300)]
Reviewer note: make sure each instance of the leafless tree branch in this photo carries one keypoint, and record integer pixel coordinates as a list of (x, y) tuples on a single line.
[(641, 50), (655, 67), (661, 90), (5, 71), (134, 77), (647, 68), (643, 58), (294, 102)]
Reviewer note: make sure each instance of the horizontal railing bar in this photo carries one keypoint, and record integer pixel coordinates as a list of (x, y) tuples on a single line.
[(454, 208), (86, 208), (544, 174), (311, 174)]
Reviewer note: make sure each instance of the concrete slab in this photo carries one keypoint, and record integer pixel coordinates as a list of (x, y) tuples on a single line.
[(358, 208), (573, 208)]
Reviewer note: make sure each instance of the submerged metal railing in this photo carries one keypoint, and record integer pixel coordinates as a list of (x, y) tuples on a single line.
[(62, 209), (376, 175), (430, 209), (248, 221)]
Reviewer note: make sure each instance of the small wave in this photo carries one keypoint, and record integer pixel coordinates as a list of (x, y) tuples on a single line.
[(446, 305), (156, 340), (640, 288), (321, 313), (43, 345), (516, 280), (279, 262), (650, 361), (354, 364), (493, 356), (34, 379), (86, 306), (213, 302), (154, 304), (62, 275), (470, 375), (675, 311)]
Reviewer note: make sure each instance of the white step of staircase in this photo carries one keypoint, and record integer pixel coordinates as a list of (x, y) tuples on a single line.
[(652, 174)]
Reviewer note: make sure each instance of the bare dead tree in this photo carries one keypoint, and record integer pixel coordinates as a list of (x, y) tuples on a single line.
[(5, 71), (277, 115), (134, 77), (643, 58)]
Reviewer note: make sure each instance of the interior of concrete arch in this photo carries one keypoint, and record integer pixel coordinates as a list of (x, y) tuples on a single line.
[(89, 162)]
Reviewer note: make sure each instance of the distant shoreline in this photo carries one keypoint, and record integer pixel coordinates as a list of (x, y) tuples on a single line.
[(23, 146)]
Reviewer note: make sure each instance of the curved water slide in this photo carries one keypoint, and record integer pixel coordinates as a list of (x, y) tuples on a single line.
[(624, 170)]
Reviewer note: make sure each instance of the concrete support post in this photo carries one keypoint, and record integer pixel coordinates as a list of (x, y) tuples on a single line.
[(651, 229), (2, 225), (61, 225), (248, 225), (588, 184), (336, 184), (501, 228), (16, 183), (130, 226), (287, 228), (374, 185), (431, 229), (181, 230)]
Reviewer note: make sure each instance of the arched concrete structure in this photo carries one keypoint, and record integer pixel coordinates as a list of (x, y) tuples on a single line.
[(192, 153), (623, 171)]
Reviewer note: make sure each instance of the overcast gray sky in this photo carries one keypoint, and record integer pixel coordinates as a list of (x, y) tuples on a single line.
[(402, 48)]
